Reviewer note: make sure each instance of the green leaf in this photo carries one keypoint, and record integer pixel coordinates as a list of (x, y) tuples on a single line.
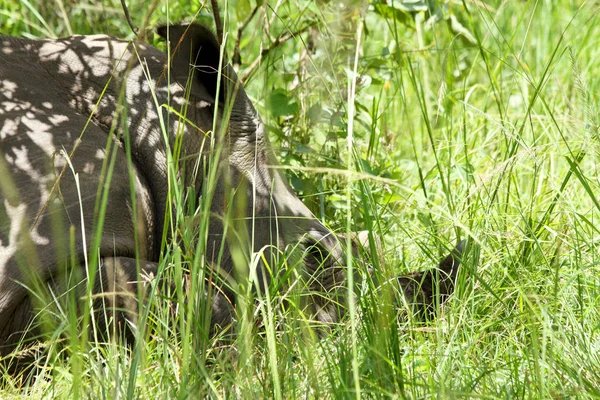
[(392, 198), (243, 9), (281, 104), (393, 13)]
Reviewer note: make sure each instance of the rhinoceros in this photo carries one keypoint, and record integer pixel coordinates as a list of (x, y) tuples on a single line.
[(93, 133)]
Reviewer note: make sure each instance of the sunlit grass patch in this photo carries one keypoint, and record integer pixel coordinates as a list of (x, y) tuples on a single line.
[(471, 120)]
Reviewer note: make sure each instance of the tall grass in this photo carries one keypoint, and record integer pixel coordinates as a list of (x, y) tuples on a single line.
[(482, 125)]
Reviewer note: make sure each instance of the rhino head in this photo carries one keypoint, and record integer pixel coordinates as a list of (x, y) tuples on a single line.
[(267, 214)]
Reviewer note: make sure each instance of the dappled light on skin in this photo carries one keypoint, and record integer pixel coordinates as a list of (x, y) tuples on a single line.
[(10, 242)]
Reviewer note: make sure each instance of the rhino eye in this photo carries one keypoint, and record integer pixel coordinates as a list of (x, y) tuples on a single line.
[(317, 255)]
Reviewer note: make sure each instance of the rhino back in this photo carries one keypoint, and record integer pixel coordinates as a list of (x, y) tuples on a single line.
[(48, 91)]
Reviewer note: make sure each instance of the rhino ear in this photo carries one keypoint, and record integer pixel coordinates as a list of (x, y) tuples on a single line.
[(196, 55)]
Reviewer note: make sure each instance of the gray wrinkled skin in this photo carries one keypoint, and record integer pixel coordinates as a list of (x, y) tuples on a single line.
[(65, 97)]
